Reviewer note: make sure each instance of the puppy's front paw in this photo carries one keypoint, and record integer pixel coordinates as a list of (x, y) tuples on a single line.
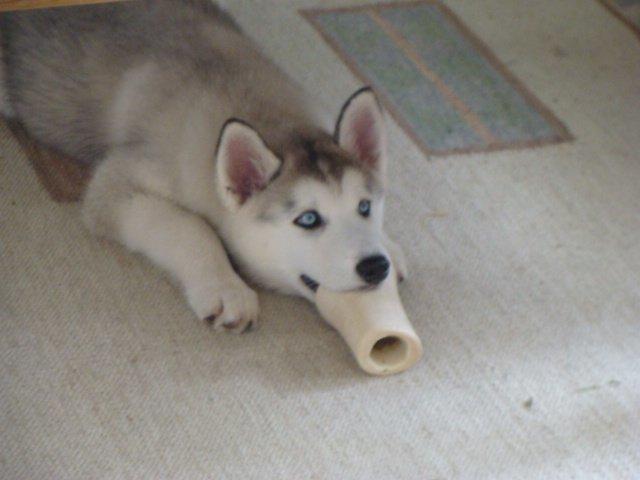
[(398, 259), (228, 305)]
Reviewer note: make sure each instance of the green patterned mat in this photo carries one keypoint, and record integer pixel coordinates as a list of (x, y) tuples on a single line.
[(441, 83)]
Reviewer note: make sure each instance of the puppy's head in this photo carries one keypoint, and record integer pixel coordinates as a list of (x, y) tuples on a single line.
[(311, 215)]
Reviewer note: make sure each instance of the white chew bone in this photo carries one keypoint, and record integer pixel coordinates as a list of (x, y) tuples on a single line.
[(374, 325)]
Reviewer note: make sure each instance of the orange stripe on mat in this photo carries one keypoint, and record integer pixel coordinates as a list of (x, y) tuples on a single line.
[(409, 50)]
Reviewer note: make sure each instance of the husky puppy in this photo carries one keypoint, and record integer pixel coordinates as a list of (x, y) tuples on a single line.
[(202, 147)]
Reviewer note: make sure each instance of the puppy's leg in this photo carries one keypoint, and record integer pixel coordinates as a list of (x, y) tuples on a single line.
[(181, 243), (398, 259), (187, 247)]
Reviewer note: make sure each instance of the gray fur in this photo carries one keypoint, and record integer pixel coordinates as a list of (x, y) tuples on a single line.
[(64, 67)]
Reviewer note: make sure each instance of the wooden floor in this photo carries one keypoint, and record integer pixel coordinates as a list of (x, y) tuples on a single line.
[(7, 5)]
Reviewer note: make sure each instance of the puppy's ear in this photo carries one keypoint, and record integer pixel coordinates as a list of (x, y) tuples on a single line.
[(360, 130), (245, 165)]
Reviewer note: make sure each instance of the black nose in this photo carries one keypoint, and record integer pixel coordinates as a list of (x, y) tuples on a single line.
[(373, 269)]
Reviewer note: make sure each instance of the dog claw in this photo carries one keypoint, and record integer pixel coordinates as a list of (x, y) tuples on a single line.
[(249, 327)]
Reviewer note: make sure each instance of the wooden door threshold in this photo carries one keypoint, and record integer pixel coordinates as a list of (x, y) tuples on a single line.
[(9, 5)]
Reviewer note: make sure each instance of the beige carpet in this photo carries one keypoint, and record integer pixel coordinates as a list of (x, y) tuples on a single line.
[(525, 287)]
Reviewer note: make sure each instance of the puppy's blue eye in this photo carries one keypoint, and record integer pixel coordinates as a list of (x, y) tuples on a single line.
[(364, 208), (309, 220)]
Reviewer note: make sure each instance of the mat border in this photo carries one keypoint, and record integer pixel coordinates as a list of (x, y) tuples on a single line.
[(562, 132), (615, 11)]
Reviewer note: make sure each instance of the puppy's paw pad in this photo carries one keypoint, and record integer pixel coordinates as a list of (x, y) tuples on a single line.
[(239, 326)]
